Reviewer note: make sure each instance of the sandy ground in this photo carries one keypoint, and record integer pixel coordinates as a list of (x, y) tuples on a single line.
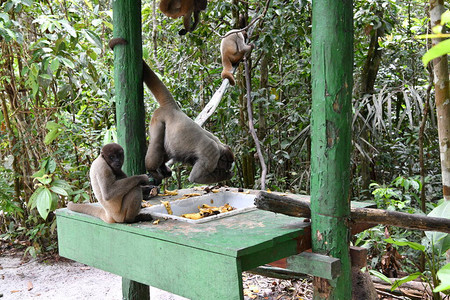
[(64, 279), (69, 280)]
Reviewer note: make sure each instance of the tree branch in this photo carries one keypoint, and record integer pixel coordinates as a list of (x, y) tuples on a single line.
[(301, 208)]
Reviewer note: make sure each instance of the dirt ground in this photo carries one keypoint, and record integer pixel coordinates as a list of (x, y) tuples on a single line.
[(65, 279)]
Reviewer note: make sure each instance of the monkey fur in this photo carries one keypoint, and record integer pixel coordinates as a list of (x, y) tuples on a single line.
[(232, 50), (184, 8), (119, 195), (173, 135)]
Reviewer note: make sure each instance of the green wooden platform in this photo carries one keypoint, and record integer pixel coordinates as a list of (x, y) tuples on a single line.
[(197, 261)]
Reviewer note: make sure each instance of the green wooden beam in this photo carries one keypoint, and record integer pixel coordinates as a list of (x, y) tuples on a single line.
[(315, 264), (332, 63), (130, 112)]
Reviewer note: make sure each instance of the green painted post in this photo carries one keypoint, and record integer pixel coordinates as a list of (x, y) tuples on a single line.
[(332, 63), (130, 111)]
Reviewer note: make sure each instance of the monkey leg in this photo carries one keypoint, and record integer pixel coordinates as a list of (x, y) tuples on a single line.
[(155, 157), (131, 205), (92, 210), (187, 24)]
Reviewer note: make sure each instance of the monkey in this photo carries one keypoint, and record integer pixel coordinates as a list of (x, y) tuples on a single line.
[(184, 8), (173, 135), (119, 195), (232, 50)]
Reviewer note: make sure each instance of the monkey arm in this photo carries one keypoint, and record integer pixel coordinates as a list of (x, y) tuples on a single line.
[(155, 157), (242, 47), (121, 187)]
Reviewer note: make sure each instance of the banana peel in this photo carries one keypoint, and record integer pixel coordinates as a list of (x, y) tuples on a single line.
[(167, 206), (206, 210)]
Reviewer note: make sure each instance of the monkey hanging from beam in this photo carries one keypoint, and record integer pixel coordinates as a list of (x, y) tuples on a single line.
[(120, 196), (173, 135), (232, 50), (185, 9)]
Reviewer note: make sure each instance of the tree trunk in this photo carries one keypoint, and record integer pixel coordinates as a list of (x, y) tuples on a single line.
[(441, 87), (366, 86), (440, 69)]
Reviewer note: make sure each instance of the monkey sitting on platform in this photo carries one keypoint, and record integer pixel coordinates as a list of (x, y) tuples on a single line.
[(119, 195)]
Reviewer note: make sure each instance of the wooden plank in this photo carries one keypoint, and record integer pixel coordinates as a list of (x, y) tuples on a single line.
[(237, 236), (315, 264), (186, 271)]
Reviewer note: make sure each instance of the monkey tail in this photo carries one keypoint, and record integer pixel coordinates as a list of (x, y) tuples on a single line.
[(90, 209), (227, 75), (157, 87)]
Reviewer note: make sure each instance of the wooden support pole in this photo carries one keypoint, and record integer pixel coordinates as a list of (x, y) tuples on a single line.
[(332, 81), (130, 112), (301, 208)]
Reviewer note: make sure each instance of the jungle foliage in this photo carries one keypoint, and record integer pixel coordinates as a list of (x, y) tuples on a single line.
[(57, 99)]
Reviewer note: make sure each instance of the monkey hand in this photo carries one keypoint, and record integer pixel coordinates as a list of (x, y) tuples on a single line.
[(149, 191), (144, 180)]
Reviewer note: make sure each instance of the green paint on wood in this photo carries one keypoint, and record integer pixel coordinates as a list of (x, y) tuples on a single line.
[(197, 261), (332, 62), (130, 111), (315, 264)]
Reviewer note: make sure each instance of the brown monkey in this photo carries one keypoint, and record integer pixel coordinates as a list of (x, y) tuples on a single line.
[(173, 135), (184, 8), (233, 49), (119, 195)]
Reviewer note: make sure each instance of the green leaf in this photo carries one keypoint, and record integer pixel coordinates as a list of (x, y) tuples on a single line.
[(403, 280), (444, 276), (62, 184), (39, 173), (405, 242), (69, 28), (44, 202), (58, 190), (46, 179), (45, 76), (445, 17), (54, 65), (67, 62), (32, 201), (51, 136), (440, 49), (380, 275), (93, 38), (441, 240)]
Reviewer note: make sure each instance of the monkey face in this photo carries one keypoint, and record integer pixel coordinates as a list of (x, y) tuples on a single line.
[(114, 156)]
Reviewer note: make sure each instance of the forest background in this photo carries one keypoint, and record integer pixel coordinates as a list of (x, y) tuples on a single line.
[(58, 108)]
